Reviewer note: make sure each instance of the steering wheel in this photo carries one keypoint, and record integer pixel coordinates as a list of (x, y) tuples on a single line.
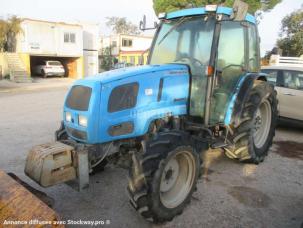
[(231, 65), (194, 64), (192, 60)]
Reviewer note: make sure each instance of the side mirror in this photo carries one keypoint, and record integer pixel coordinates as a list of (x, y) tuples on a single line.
[(155, 24), (142, 25)]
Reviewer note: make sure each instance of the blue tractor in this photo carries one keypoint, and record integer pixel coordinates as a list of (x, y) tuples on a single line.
[(201, 89)]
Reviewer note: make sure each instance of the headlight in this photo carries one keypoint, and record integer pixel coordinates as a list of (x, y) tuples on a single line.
[(68, 116), (82, 120)]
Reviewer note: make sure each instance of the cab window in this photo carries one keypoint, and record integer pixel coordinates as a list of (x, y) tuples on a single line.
[(231, 45), (253, 60)]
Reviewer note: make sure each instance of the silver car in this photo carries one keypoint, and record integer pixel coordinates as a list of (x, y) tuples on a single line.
[(49, 68), (288, 82)]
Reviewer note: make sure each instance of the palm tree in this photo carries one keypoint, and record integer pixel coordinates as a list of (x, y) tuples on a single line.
[(3, 32), (14, 27)]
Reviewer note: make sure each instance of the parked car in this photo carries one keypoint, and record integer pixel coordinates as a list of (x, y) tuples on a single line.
[(288, 81), (49, 68)]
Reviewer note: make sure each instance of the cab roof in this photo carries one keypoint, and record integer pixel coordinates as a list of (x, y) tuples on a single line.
[(202, 11)]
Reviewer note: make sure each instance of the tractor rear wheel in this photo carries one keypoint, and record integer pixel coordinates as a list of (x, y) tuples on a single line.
[(252, 136), (163, 178)]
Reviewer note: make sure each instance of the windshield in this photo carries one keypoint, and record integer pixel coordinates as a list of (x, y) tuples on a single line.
[(184, 40), (187, 41)]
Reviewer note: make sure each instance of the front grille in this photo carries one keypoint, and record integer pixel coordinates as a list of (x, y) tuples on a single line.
[(76, 133)]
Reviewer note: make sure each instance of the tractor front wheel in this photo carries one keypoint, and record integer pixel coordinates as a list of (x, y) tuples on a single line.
[(163, 179), (251, 137)]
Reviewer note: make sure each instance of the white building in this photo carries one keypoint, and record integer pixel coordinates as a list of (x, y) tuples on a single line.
[(128, 48), (90, 48), (74, 45)]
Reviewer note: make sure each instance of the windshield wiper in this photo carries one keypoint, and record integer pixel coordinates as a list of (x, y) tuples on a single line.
[(172, 28)]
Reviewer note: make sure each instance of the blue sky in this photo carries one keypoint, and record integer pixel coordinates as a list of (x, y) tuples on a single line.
[(97, 10)]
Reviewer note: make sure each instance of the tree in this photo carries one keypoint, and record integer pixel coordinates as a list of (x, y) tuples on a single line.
[(291, 35), (3, 32), (254, 5), (120, 25), (107, 59), (14, 28), (9, 29)]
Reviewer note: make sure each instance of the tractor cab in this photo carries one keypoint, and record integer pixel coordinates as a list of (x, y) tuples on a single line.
[(218, 49)]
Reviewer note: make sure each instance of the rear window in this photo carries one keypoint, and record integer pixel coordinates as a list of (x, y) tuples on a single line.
[(123, 97), (54, 63), (78, 98)]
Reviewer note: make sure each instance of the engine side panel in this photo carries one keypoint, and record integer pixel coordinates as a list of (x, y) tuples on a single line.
[(160, 94)]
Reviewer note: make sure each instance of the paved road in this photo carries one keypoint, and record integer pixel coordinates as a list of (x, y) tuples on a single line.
[(229, 194)]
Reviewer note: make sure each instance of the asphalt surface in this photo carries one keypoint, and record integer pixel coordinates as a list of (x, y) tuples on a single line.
[(229, 194)]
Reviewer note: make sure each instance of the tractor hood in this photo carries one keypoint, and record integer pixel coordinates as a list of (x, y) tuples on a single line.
[(123, 73), (92, 113)]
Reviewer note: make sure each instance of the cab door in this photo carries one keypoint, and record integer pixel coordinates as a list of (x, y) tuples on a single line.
[(291, 95)]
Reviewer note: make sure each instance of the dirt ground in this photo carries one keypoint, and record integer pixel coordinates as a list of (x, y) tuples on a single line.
[(229, 194)]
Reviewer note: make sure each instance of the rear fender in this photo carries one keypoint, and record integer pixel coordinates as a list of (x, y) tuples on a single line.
[(237, 101)]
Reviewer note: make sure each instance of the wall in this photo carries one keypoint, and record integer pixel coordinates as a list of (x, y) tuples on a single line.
[(90, 49), (80, 67), (70, 49), (3, 64), (126, 57), (138, 43), (90, 36), (107, 42), (25, 58), (91, 63)]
